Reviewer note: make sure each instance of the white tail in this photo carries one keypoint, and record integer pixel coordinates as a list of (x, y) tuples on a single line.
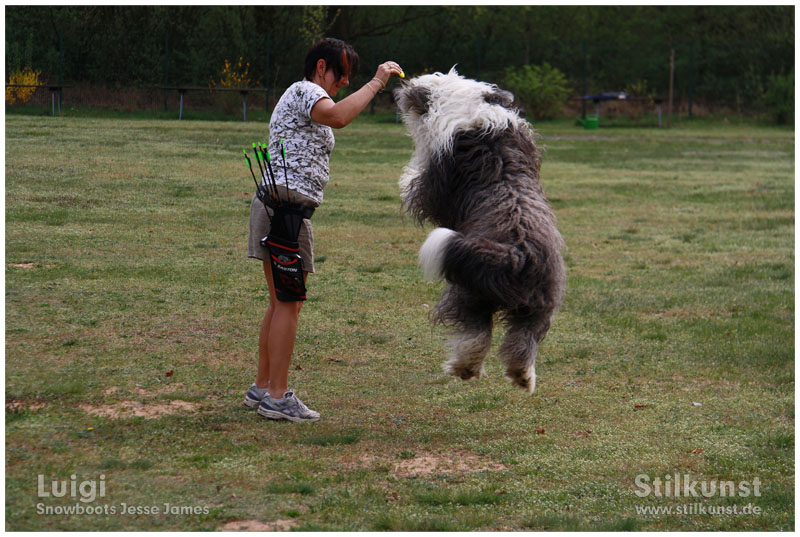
[(431, 255)]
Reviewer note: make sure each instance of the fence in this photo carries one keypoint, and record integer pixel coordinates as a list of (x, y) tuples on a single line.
[(55, 93), (179, 102), (705, 77)]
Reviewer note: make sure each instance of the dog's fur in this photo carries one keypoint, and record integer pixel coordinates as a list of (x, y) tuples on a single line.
[(474, 174)]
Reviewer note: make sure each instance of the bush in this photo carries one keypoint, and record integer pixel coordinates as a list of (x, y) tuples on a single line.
[(779, 98), (26, 76), (541, 89), (233, 76)]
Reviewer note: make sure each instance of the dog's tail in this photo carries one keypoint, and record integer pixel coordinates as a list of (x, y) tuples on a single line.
[(530, 277), (433, 252)]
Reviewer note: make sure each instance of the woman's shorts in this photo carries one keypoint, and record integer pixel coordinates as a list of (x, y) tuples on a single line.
[(259, 227)]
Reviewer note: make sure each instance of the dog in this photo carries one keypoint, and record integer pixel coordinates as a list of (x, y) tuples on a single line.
[(474, 174)]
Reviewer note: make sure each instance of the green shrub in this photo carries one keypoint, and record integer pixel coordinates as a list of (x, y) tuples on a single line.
[(541, 89), (779, 98)]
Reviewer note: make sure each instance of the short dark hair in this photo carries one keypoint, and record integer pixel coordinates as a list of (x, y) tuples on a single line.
[(338, 55)]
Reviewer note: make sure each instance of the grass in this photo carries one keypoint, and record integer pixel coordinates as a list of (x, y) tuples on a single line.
[(128, 289), (92, 112)]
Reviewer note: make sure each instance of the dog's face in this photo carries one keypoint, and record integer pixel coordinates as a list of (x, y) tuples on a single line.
[(417, 96), (438, 106)]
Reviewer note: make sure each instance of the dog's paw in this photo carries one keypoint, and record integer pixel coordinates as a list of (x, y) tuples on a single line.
[(464, 371), (431, 255), (524, 378)]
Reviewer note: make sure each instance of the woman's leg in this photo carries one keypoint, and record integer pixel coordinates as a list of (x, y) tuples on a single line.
[(276, 340)]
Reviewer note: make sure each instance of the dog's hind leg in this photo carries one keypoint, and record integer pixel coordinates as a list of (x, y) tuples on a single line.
[(520, 348), (471, 337), (468, 350)]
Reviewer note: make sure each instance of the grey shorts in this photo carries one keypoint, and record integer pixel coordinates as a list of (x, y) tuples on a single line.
[(259, 227)]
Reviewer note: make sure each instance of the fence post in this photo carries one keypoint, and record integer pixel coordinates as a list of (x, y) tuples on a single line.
[(266, 80), (166, 68), (671, 80), (60, 68), (585, 74), (478, 56), (691, 78), (373, 67)]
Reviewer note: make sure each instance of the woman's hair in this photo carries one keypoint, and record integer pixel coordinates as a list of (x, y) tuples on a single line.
[(338, 55)]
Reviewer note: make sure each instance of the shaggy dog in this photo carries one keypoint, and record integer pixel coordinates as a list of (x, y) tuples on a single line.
[(474, 175)]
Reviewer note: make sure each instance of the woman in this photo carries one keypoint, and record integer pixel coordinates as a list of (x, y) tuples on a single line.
[(303, 118)]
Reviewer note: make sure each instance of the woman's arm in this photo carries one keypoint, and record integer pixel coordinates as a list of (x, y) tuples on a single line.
[(338, 115)]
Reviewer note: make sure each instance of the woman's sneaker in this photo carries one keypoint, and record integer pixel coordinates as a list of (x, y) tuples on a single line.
[(288, 407), (254, 396)]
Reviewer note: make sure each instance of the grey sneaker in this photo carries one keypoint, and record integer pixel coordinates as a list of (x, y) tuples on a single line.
[(254, 396), (288, 407)]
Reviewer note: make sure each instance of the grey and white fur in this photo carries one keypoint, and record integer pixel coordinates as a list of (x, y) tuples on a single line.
[(475, 175)]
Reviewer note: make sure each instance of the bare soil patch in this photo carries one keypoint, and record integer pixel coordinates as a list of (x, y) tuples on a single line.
[(135, 409), (454, 462), (257, 525), (17, 405)]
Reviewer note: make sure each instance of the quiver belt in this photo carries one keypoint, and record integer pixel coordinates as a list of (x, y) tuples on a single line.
[(284, 250)]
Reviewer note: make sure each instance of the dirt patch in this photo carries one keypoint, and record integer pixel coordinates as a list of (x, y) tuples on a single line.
[(29, 265), (167, 388), (134, 409), (454, 462), (257, 525), (139, 390), (16, 405)]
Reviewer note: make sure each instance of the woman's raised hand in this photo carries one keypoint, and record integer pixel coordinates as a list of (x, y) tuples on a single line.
[(387, 69)]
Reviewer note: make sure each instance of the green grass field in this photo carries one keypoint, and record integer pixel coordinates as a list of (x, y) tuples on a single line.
[(132, 315)]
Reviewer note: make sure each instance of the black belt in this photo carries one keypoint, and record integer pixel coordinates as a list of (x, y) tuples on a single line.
[(305, 211)]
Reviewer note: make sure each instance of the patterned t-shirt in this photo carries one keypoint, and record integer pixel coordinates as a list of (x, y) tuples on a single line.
[(308, 144)]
